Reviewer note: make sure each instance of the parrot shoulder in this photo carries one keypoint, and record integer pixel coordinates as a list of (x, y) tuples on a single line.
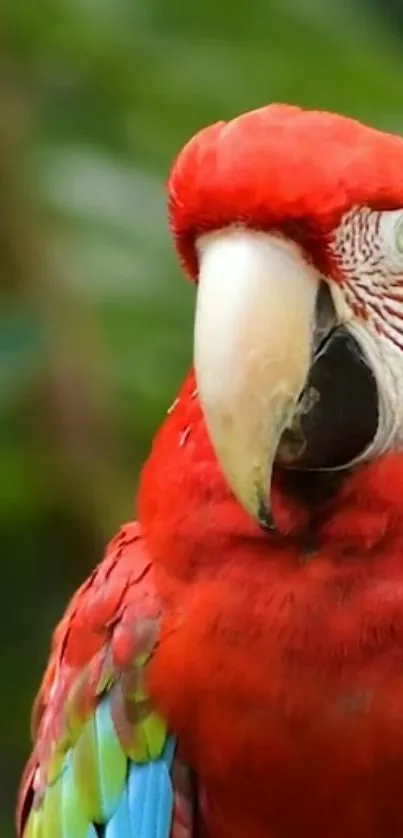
[(92, 719)]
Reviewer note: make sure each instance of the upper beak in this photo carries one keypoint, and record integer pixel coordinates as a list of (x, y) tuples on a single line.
[(253, 351)]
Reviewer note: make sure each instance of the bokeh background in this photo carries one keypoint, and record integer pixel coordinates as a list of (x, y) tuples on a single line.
[(96, 98)]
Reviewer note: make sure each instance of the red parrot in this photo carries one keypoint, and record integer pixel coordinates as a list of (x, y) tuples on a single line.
[(234, 666)]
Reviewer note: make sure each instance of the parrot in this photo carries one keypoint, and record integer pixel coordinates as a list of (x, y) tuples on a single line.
[(233, 668)]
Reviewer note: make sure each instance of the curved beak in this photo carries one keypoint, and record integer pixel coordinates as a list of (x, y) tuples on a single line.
[(253, 351)]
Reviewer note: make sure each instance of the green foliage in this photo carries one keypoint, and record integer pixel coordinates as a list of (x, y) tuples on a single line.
[(96, 98)]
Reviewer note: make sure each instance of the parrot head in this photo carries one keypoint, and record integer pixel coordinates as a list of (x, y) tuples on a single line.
[(291, 224)]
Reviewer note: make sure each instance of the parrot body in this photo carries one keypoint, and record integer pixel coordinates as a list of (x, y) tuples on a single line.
[(285, 683), (272, 656)]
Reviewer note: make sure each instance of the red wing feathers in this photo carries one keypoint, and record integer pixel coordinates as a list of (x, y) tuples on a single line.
[(112, 619)]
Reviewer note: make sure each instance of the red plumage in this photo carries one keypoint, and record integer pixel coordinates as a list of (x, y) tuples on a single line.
[(113, 617), (281, 167), (281, 669), (279, 661)]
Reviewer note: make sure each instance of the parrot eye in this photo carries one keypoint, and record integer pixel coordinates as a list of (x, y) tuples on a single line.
[(391, 229), (399, 234), (368, 247)]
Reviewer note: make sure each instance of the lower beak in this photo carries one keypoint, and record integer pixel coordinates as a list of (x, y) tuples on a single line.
[(253, 350)]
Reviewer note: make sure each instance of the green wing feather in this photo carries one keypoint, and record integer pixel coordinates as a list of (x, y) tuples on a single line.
[(96, 729)]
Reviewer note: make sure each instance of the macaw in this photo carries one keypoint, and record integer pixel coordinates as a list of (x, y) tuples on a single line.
[(233, 668)]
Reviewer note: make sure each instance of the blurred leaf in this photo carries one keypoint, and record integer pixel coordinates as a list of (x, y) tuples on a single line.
[(22, 349), (116, 214)]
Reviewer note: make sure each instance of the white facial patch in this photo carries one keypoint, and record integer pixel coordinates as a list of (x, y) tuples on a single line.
[(368, 249)]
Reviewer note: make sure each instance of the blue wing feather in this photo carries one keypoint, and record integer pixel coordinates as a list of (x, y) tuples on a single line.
[(136, 799), (150, 796), (120, 824)]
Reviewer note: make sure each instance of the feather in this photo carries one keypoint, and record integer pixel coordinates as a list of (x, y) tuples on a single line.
[(100, 784), (103, 757)]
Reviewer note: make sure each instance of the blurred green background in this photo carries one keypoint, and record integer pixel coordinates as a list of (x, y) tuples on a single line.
[(96, 98)]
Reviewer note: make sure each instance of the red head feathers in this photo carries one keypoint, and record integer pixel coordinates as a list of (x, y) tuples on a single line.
[(281, 166)]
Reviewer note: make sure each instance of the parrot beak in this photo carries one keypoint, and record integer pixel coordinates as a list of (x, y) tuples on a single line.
[(254, 333)]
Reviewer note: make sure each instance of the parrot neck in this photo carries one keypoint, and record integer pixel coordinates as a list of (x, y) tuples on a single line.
[(188, 513)]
